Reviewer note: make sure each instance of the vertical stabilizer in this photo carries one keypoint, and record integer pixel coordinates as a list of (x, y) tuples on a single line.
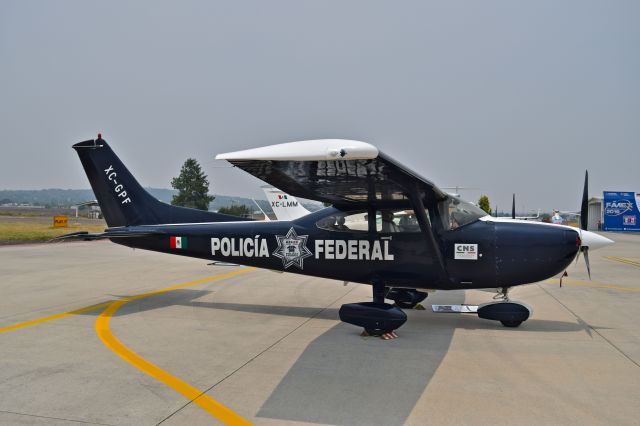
[(284, 206), (123, 201)]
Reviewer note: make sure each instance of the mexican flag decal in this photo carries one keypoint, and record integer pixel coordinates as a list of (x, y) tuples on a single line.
[(178, 242)]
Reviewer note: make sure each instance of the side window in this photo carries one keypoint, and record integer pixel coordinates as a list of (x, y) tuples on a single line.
[(345, 222), (387, 221), (390, 221)]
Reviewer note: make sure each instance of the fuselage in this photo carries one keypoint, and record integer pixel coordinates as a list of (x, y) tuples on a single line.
[(483, 253)]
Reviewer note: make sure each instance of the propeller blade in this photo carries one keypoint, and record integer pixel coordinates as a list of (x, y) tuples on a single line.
[(581, 246), (513, 207), (584, 209), (585, 252)]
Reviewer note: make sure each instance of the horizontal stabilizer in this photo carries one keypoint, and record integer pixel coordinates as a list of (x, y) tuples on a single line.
[(120, 233)]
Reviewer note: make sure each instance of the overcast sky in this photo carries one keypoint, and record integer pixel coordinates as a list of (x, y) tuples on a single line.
[(505, 96)]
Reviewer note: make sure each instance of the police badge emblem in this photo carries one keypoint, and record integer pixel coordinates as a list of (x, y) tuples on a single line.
[(292, 249)]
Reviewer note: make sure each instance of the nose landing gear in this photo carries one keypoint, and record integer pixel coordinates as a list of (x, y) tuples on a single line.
[(510, 314)]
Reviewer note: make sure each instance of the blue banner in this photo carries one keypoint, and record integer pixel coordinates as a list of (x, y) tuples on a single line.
[(621, 211)]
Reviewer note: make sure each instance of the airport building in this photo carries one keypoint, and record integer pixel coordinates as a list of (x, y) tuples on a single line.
[(91, 209), (595, 214)]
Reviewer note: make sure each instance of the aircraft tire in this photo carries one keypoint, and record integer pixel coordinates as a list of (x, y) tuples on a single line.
[(405, 305), (511, 324), (376, 332)]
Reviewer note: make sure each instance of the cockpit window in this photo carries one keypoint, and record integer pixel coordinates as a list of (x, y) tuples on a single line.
[(456, 213), (345, 222), (387, 221)]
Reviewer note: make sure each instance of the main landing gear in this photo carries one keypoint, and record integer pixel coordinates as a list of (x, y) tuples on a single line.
[(382, 319), (377, 318), (406, 298), (510, 314)]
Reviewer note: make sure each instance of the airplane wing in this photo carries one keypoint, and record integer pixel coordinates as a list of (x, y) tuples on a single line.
[(340, 172)]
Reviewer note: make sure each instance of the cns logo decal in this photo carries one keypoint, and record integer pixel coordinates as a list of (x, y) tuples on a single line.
[(618, 207), (465, 251), (292, 249)]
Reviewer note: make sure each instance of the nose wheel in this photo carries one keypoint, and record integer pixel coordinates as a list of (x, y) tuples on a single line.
[(511, 324), (510, 313)]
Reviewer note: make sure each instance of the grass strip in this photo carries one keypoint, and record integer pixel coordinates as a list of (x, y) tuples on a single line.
[(12, 231)]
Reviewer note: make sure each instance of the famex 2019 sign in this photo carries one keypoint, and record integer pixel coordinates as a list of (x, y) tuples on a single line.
[(621, 211)]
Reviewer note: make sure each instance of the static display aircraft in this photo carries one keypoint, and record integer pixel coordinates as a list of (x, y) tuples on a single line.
[(416, 237), (556, 218), (285, 206), (561, 217)]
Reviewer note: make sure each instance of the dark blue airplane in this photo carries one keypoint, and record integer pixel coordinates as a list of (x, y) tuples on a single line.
[(387, 227)]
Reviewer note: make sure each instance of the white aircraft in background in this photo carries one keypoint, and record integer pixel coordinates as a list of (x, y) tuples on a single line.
[(284, 206), (556, 218), (536, 217), (287, 207), (560, 217)]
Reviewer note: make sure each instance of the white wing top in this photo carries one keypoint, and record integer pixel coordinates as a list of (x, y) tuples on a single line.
[(312, 150)]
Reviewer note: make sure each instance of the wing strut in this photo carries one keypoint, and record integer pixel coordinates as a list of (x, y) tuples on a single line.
[(423, 221)]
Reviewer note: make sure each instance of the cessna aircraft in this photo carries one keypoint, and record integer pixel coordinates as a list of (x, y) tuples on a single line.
[(443, 243)]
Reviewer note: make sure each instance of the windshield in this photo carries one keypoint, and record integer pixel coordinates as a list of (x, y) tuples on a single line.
[(456, 212)]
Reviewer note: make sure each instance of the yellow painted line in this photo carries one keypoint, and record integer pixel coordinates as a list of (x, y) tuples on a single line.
[(595, 285), (101, 305), (53, 317), (624, 260), (193, 394)]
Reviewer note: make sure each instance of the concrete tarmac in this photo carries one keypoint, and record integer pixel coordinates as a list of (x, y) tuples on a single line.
[(225, 343)]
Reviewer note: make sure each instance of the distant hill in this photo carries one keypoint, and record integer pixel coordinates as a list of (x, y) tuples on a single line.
[(64, 197), (67, 197)]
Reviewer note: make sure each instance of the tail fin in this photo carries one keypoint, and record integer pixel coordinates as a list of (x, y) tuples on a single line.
[(284, 206), (123, 201)]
